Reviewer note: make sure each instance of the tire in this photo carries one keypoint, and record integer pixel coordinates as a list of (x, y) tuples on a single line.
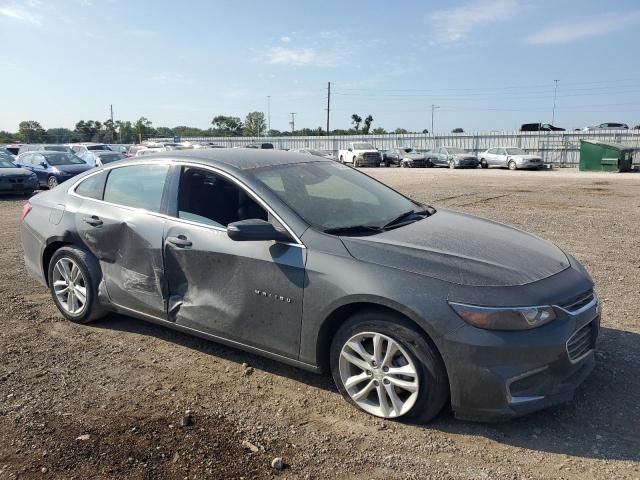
[(484, 164), (512, 165), (52, 182), (415, 352), (356, 164), (452, 164), (429, 163), (341, 159), (90, 275)]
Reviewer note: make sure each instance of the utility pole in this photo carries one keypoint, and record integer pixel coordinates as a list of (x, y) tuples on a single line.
[(555, 91), (268, 114), (112, 126), (328, 104), (293, 122), (433, 107)]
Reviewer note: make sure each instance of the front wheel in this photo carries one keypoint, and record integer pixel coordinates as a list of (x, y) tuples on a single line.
[(452, 164), (385, 367), (512, 165), (52, 182), (341, 159), (484, 164), (356, 163)]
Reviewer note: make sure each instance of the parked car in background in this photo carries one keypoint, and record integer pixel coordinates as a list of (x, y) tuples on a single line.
[(99, 158), (607, 126), (52, 168), (150, 150), (13, 179), (360, 154), (82, 148), (119, 147), (405, 157), (261, 146), (317, 153), (13, 148), (134, 149), (320, 266), (452, 157), (512, 158), (540, 127), (42, 147)]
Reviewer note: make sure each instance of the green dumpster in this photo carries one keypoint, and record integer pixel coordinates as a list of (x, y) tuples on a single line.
[(605, 157)]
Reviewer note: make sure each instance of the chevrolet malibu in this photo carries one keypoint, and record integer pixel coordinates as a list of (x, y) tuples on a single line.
[(312, 263)]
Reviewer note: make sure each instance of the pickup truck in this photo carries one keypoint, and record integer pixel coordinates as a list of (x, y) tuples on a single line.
[(360, 154)]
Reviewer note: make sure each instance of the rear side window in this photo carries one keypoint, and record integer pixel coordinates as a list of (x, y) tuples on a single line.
[(92, 187), (137, 186)]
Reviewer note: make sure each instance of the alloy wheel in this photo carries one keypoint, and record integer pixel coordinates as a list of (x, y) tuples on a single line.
[(378, 374), (69, 286), (52, 182)]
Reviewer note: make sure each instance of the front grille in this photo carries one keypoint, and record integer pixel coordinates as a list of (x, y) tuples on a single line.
[(578, 302), (371, 156), (582, 341)]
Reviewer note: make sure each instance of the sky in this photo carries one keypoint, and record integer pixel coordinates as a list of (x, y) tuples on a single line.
[(486, 64)]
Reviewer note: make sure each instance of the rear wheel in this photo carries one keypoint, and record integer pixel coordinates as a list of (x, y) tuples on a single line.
[(385, 367), (52, 182), (74, 275)]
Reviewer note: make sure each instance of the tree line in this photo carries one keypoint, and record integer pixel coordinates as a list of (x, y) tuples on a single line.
[(119, 131)]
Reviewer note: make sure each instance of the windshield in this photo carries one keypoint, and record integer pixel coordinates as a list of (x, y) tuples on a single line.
[(408, 150), (515, 151), (330, 195), (98, 147), (363, 146), (63, 159), (455, 150), (5, 161)]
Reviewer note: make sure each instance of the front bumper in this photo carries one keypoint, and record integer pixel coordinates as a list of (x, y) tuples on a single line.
[(498, 375), (18, 185), (467, 163)]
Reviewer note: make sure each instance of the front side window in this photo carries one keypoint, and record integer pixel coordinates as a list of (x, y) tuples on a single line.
[(137, 186), (207, 198), (330, 195), (5, 161), (516, 151)]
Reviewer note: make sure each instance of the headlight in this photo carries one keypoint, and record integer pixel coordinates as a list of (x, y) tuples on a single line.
[(505, 318)]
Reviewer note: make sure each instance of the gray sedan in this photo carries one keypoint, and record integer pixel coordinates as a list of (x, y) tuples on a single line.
[(452, 157), (512, 158), (312, 263), (14, 179)]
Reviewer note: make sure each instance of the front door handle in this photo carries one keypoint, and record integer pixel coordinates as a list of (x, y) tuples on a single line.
[(179, 241), (93, 220)]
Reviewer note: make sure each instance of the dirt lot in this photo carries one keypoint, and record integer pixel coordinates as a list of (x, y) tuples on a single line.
[(108, 400)]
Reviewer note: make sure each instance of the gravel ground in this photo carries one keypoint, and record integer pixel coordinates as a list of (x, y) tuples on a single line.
[(125, 399)]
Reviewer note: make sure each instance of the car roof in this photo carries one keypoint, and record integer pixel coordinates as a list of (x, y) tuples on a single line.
[(239, 158)]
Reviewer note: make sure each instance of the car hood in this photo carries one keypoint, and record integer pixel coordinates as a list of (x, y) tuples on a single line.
[(463, 155), (77, 168), (16, 171), (525, 157), (462, 249)]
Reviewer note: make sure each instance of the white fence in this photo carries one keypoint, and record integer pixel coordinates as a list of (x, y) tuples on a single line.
[(558, 148)]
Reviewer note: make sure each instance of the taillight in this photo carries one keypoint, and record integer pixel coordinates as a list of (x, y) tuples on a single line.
[(25, 210)]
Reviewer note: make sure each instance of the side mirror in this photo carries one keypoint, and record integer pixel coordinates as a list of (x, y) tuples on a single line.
[(349, 149), (255, 230), (43, 164)]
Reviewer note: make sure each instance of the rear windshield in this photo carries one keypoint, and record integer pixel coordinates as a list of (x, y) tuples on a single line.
[(56, 148), (111, 157), (98, 147), (63, 159)]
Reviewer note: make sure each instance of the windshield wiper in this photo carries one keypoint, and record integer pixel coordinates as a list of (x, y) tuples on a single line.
[(354, 229), (405, 216)]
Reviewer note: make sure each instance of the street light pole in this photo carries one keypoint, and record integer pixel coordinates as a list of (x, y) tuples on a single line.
[(555, 91), (433, 107), (268, 114)]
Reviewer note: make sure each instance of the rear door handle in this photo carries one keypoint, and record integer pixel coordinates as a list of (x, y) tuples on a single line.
[(179, 241), (93, 220)]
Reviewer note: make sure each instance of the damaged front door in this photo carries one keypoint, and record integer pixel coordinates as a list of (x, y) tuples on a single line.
[(249, 292), (124, 233)]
